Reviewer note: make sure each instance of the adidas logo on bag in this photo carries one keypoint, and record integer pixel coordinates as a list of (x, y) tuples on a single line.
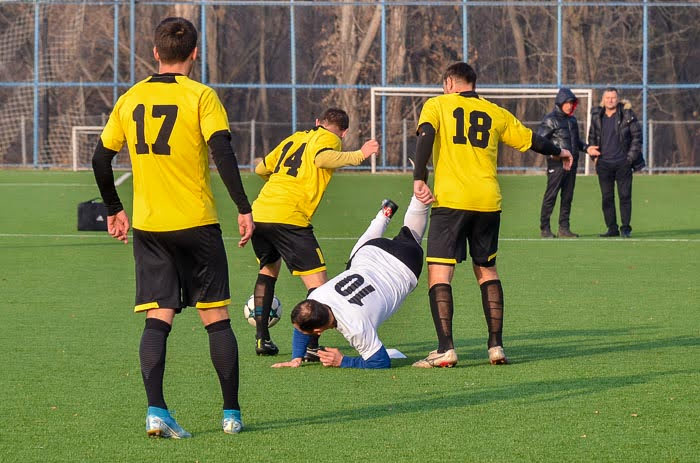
[(99, 219)]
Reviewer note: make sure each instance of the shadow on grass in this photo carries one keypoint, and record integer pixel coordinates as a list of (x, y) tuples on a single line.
[(534, 391)]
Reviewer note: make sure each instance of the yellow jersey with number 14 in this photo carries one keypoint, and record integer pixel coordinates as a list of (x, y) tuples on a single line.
[(295, 187), (166, 121), (465, 152)]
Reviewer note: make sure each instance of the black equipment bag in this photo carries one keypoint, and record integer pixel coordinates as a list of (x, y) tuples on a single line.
[(92, 216)]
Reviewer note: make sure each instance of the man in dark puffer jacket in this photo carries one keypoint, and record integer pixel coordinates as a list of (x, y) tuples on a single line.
[(616, 130), (561, 127)]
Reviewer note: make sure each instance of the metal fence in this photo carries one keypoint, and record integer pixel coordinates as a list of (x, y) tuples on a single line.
[(45, 90)]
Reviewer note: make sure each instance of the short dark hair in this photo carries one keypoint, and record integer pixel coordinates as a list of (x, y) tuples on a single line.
[(460, 71), (337, 117), (175, 38), (309, 315), (611, 89)]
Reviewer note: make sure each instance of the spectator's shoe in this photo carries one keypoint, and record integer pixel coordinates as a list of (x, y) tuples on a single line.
[(312, 354), (626, 234), (610, 233), (447, 359), (547, 233), (566, 233), (160, 423), (265, 347), (389, 208), (232, 423), (497, 356)]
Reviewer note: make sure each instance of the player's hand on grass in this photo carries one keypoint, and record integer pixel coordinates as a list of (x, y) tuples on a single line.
[(118, 226), (369, 148), (566, 158), (422, 192), (245, 228), (294, 363), (330, 357)]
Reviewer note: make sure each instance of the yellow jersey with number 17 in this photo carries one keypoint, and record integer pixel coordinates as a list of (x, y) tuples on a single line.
[(166, 121), (468, 129), (295, 187)]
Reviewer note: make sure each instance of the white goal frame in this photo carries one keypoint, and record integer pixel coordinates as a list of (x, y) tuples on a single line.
[(77, 130), (492, 92)]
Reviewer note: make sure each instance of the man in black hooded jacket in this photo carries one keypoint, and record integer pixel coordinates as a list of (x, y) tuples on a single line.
[(561, 127)]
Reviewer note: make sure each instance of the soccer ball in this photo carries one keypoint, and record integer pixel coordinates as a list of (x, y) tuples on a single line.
[(275, 312)]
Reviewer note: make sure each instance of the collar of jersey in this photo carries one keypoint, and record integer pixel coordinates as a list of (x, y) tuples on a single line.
[(469, 94)]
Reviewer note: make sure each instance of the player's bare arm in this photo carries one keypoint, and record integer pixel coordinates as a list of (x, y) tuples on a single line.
[(330, 357), (566, 158), (422, 192), (245, 228), (294, 363), (118, 226), (369, 148)]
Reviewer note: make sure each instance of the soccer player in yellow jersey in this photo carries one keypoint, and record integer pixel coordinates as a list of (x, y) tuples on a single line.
[(169, 124), (297, 172), (462, 132)]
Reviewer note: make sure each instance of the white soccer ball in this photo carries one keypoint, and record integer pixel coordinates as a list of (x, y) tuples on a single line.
[(275, 312)]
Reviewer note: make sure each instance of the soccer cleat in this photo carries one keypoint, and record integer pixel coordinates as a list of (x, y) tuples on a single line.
[(312, 354), (447, 359), (610, 233), (389, 208), (265, 347), (497, 356), (232, 423), (566, 233), (626, 234), (160, 423)]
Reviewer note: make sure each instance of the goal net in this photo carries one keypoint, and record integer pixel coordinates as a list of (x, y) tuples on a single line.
[(394, 113)]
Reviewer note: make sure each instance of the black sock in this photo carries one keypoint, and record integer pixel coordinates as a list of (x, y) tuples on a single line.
[(224, 355), (442, 308), (313, 339), (263, 295), (492, 300), (152, 357)]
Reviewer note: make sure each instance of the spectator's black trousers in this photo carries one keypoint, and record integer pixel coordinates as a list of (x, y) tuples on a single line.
[(608, 174), (558, 179)]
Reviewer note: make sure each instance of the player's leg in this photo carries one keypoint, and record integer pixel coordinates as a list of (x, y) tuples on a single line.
[(264, 240), (567, 195), (312, 282), (416, 218), (483, 247), (223, 350), (377, 226), (444, 251), (158, 294)]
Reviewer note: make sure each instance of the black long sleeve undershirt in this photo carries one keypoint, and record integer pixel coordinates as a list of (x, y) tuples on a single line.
[(226, 163), (424, 149), (544, 146), (104, 176)]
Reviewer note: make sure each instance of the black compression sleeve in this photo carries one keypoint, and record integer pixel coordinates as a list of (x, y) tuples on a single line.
[(225, 160), (543, 146), (104, 176), (424, 149)]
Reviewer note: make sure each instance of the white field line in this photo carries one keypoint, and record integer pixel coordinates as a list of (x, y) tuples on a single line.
[(104, 235), (122, 179)]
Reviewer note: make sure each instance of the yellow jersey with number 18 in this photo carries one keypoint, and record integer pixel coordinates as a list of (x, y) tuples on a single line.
[(296, 185), (465, 152), (166, 121)]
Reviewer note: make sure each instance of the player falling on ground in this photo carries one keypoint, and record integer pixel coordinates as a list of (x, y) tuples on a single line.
[(380, 274), (297, 172), (167, 121), (462, 132)]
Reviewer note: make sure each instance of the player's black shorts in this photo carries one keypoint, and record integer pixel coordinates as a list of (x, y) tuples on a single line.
[(297, 246), (181, 268), (404, 247), (451, 230)]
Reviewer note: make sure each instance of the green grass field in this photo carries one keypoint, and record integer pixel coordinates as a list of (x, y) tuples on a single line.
[(603, 336)]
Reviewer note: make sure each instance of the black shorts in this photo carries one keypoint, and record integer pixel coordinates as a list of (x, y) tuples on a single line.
[(181, 268), (403, 246), (297, 246), (451, 230)]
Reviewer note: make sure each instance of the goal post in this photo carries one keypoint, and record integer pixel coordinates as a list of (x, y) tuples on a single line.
[(488, 92)]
